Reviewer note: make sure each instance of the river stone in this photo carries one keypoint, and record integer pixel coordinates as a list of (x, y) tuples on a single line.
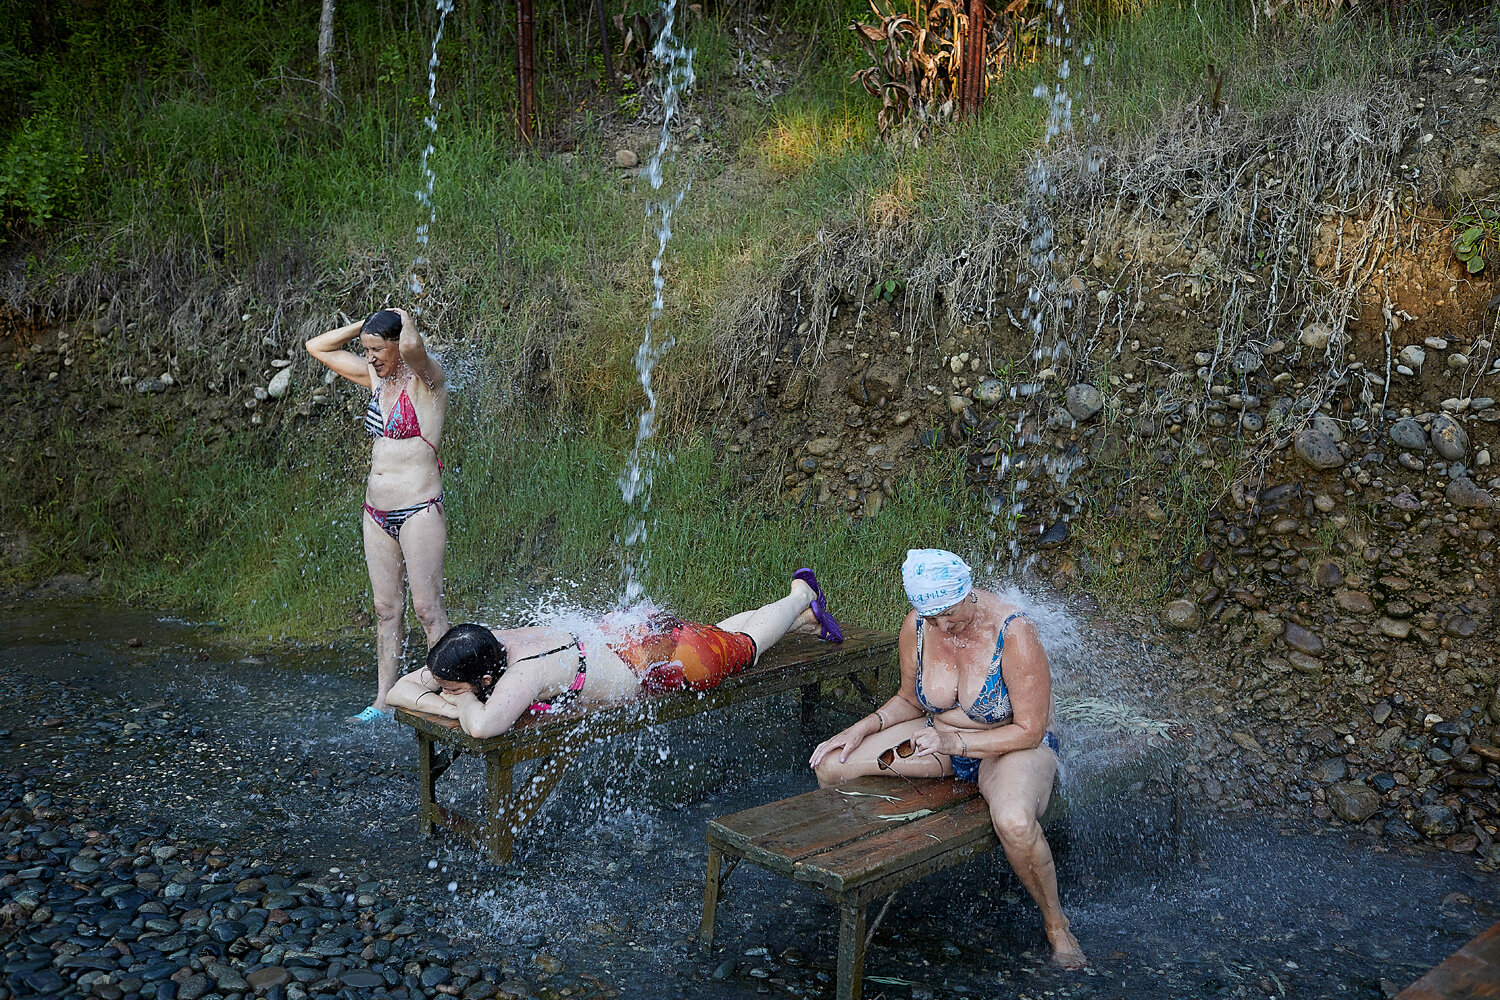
[(1083, 401), (1318, 450), (362, 979), (1412, 356), (1353, 802), (1328, 574), (1331, 770), (1449, 437), (1460, 626), (271, 975), (1182, 614), (626, 159), (1408, 435), (990, 391), (1393, 628), (1326, 425), (279, 384), (1303, 663), (226, 978), (435, 975), (821, 446), (193, 987), (958, 404), (1354, 602), (1317, 336), (150, 386), (1252, 423), (1302, 640), (1463, 494), (1436, 821)]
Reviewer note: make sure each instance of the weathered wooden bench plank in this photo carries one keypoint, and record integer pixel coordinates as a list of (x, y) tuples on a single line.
[(842, 817), (1471, 973), (796, 663), (912, 843)]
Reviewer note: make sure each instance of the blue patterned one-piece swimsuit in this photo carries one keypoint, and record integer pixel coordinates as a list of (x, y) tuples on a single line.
[(991, 707)]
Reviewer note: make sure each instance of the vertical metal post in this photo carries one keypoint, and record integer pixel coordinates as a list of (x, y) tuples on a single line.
[(526, 67)]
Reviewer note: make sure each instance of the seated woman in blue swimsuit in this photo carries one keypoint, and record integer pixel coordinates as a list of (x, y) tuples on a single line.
[(975, 703)]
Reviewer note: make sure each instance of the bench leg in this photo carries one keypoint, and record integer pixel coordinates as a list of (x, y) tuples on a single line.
[(851, 972), (498, 824), (427, 775), (710, 899)]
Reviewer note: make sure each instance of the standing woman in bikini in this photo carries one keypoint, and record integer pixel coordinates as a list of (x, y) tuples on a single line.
[(975, 703), (405, 532)]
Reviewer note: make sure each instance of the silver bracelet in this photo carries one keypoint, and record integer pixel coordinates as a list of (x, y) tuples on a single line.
[(882, 721), (963, 746)]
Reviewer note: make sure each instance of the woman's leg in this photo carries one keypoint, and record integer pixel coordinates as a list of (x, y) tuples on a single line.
[(766, 625), (383, 558), (424, 537), (1017, 787), (863, 759)]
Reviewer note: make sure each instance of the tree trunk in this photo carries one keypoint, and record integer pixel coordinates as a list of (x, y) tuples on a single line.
[(328, 86)]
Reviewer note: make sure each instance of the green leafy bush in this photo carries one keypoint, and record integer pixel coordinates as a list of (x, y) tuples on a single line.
[(1478, 237), (41, 170)]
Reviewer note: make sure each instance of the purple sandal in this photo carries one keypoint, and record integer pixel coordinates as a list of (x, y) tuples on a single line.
[(831, 632)]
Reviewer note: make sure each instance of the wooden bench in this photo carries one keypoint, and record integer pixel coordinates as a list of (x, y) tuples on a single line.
[(556, 739), (867, 838), (1471, 973)]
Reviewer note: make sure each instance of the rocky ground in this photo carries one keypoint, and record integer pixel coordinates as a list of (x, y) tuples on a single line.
[(177, 824)]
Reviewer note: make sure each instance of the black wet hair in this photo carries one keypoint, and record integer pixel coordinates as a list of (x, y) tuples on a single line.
[(465, 655), (385, 324)]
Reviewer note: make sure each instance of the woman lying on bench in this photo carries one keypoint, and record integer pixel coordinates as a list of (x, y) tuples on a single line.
[(488, 679), (975, 703)]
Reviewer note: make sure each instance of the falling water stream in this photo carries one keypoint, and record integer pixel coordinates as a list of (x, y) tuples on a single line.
[(675, 77), (423, 194)]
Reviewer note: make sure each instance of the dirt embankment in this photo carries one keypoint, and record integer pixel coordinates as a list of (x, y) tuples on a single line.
[(1256, 413)]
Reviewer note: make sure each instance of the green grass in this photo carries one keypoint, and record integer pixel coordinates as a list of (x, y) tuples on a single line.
[(264, 534)]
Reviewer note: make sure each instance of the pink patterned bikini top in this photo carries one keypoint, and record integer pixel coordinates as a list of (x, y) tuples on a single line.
[(401, 424)]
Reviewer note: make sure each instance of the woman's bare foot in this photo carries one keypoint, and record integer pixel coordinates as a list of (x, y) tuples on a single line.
[(1065, 950), (805, 624)]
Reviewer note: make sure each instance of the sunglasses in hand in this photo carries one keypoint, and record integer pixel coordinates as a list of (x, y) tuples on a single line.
[(887, 759)]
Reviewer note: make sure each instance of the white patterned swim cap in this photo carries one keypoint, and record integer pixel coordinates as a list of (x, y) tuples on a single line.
[(935, 580)]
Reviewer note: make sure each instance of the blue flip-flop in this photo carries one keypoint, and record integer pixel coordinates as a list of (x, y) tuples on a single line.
[(831, 632), (370, 714)]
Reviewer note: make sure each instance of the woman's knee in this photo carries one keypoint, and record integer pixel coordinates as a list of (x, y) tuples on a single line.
[(388, 610), (1014, 823), (831, 771), (429, 610)]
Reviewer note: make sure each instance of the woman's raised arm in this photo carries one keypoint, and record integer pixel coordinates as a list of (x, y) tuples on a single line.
[(329, 349), (414, 352)]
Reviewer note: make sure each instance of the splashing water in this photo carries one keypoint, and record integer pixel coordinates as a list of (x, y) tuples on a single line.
[(424, 194), (676, 76)]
